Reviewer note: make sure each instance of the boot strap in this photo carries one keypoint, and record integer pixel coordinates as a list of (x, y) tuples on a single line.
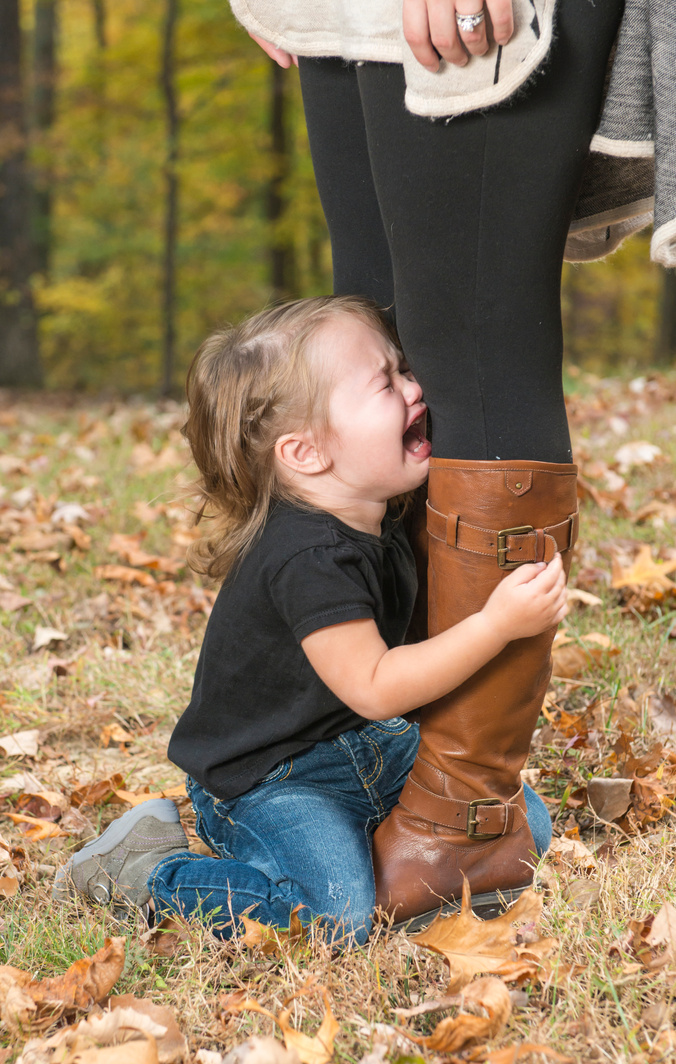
[(510, 546), (483, 818)]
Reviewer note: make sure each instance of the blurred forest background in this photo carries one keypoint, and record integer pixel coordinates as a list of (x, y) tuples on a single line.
[(155, 181)]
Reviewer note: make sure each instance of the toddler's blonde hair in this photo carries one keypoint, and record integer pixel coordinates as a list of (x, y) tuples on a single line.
[(247, 386)]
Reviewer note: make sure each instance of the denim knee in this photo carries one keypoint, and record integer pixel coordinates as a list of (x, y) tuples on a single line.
[(539, 820)]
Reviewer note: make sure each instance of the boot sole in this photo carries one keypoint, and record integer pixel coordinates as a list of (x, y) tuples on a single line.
[(487, 906), (160, 808)]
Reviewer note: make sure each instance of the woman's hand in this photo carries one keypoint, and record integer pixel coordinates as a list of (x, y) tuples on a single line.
[(284, 59), (432, 31)]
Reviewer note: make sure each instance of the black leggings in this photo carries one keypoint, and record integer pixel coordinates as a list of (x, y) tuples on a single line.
[(462, 226)]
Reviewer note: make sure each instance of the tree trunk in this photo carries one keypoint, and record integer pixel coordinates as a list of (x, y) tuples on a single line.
[(99, 81), (281, 249), (100, 24), (19, 358), (44, 77), (665, 348), (172, 119)]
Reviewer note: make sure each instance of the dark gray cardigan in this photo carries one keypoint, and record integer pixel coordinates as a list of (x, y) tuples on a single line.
[(634, 150)]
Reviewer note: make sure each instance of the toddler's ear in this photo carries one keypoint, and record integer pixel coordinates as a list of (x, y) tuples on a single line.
[(297, 452)]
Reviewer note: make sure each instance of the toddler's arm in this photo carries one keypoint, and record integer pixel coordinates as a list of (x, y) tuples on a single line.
[(354, 662)]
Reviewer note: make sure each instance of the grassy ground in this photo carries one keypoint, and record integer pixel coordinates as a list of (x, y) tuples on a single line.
[(124, 655)]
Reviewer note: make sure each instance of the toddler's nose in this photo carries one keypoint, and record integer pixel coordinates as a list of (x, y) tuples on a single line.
[(411, 389)]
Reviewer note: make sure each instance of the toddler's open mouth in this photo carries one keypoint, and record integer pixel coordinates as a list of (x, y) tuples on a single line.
[(415, 440)]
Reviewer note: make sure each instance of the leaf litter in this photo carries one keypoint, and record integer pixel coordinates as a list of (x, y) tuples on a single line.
[(87, 731)]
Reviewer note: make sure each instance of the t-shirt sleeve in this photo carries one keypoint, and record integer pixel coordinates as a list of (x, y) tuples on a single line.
[(322, 586)]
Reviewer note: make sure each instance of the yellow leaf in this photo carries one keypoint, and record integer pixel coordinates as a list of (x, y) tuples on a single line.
[(272, 939), (36, 829), (643, 571), (137, 797), (115, 733), (319, 1048)]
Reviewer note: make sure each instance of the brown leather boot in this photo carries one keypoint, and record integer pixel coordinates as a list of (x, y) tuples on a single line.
[(462, 809)]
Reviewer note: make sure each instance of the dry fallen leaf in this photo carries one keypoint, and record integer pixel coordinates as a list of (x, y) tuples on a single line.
[(311, 1050), (41, 542), (27, 1003), (47, 805), (571, 852), (663, 933), (657, 512), (272, 940), (20, 744), (137, 797), (164, 938), (471, 946), (643, 572), (254, 1051), (144, 460), (122, 1036), (125, 575), (575, 594), (18, 783), (571, 657), (97, 792), (35, 829), (637, 453), (316, 1049), (45, 636), (652, 940), (583, 893), (513, 1054), (172, 1046), (10, 601), (9, 886), (609, 798), (115, 733), (489, 1000), (661, 709)]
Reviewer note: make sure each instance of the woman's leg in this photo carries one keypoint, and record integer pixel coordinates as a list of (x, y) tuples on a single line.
[(333, 111), (477, 211), (477, 234)]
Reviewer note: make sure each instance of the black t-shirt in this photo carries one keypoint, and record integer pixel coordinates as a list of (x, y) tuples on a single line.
[(256, 699)]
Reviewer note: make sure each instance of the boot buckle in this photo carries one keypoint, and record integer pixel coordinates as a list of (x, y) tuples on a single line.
[(472, 820), (521, 530)]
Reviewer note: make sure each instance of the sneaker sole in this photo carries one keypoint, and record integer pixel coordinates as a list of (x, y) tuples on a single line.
[(160, 808)]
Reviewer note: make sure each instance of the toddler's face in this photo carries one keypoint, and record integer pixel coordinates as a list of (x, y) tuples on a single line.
[(377, 444)]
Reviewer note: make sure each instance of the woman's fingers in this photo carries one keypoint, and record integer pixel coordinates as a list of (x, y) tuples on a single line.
[(502, 19), (444, 30), (472, 33), (282, 58), (433, 31), (417, 32)]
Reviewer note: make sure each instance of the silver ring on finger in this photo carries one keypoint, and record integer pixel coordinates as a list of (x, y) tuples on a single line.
[(468, 23)]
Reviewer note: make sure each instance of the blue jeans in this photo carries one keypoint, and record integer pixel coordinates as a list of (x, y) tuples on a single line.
[(302, 836)]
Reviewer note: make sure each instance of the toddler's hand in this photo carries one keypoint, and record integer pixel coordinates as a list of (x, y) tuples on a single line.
[(528, 601)]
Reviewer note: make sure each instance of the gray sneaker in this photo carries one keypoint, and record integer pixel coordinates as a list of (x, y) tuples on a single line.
[(115, 866)]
